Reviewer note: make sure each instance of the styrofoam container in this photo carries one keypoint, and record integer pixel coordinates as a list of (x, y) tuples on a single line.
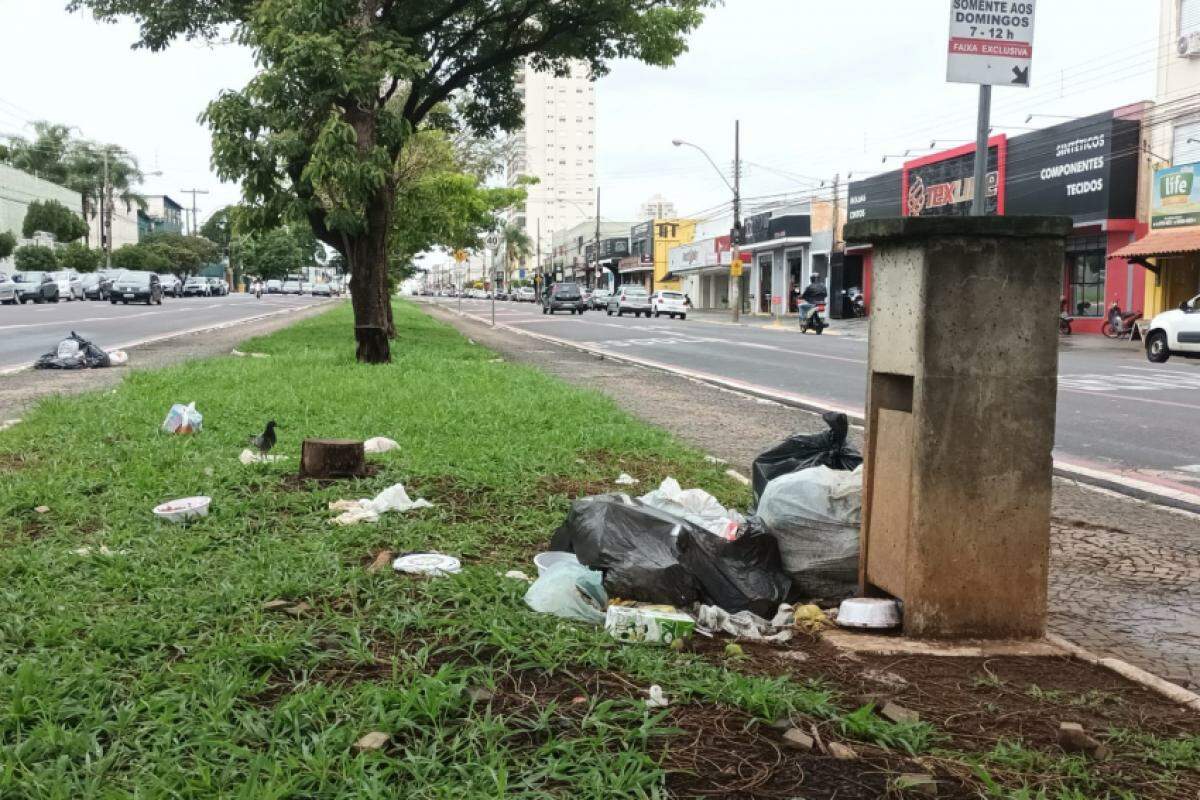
[(183, 509), (427, 564), (544, 561), (875, 613)]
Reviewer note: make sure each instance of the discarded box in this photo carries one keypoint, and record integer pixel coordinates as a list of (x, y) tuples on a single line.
[(642, 625)]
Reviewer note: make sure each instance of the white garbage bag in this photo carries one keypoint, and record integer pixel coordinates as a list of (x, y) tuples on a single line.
[(815, 515), (183, 419), (695, 505), (393, 498), (379, 444)]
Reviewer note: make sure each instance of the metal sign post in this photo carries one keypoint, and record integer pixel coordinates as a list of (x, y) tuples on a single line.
[(991, 44)]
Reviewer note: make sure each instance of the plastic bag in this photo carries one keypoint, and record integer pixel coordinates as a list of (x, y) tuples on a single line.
[(379, 444), (183, 419), (828, 449), (633, 545), (570, 591), (695, 505), (74, 352), (815, 515), (746, 574)]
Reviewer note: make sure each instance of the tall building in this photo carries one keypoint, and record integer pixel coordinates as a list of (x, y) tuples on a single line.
[(162, 214), (558, 147), (657, 207)]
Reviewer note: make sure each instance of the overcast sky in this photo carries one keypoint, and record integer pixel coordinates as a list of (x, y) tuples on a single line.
[(820, 88)]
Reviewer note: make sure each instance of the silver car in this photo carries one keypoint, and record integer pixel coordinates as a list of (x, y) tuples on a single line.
[(629, 300), (70, 285), (8, 290)]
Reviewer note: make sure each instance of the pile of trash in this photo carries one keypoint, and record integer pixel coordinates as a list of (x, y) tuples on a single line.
[(659, 567), (75, 352)]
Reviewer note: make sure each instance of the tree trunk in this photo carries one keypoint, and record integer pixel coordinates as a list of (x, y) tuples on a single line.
[(391, 321), (368, 296)]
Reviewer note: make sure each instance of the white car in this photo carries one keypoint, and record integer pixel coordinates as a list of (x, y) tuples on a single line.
[(8, 290), (291, 287), (1175, 333), (70, 285), (631, 299), (306, 287), (525, 294), (671, 303), (273, 286)]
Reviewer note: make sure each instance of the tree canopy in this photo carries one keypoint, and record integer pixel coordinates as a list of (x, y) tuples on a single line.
[(35, 257), (343, 86), (140, 256), (279, 252), (54, 218), (8, 243), (218, 228), (183, 254), (79, 257)]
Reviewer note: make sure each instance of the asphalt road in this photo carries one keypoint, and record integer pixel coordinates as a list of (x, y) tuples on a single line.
[(28, 331), (1116, 411)]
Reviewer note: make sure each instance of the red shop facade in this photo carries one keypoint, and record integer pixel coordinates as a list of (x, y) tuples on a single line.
[(1086, 169)]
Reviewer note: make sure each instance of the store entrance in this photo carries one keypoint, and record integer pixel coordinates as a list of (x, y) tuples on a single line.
[(766, 264)]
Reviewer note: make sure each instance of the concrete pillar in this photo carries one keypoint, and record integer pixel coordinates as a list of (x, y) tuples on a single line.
[(963, 371)]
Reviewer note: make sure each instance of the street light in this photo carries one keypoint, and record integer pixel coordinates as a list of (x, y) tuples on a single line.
[(735, 235)]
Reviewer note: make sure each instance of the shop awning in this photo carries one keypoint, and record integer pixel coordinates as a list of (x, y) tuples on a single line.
[(1161, 243)]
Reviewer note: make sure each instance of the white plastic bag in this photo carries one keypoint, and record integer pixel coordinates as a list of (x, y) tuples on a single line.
[(695, 505), (379, 444), (571, 591), (393, 498), (815, 514), (183, 419)]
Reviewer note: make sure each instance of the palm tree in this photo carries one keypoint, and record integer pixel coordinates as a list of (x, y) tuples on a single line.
[(517, 245)]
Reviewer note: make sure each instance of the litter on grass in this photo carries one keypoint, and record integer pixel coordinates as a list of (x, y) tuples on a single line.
[(517, 575), (118, 358), (42, 509), (625, 479), (8, 423), (183, 419), (102, 550), (570, 591), (248, 456), (434, 564), (240, 354), (647, 625), (545, 561), (695, 505), (655, 698), (393, 498), (74, 352), (184, 509), (746, 625), (379, 444)]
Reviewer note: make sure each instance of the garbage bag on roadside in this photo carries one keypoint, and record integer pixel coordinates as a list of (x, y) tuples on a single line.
[(183, 419), (746, 574), (694, 505), (570, 591), (633, 545), (74, 352), (814, 515), (801, 451)]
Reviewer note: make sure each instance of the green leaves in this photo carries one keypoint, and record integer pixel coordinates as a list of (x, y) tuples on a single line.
[(34, 257), (54, 218)]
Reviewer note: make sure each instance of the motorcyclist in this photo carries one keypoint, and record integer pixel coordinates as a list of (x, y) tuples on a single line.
[(815, 292)]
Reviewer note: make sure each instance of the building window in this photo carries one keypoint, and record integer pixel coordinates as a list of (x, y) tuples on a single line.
[(1087, 273), (1184, 151)]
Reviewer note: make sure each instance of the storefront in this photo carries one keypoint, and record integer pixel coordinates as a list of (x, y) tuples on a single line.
[(638, 266), (777, 246), (612, 250), (1086, 169), (703, 268)]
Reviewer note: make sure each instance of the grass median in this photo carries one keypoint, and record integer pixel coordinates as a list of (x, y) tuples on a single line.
[(136, 657)]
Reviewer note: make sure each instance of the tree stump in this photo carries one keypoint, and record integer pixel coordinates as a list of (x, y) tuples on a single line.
[(332, 458)]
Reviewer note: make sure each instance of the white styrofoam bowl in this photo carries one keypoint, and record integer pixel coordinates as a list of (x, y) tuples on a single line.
[(544, 561), (876, 613), (184, 509)]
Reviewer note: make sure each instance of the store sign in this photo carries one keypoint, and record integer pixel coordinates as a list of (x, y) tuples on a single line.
[(943, 185), (1175, 197), (757, 228), (693, 256), (991, 42), (877, 197)]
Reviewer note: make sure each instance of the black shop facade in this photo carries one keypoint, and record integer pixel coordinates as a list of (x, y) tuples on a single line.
[(1086, 169)]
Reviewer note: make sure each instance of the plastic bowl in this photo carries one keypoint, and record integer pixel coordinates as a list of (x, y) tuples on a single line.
[(544, 561), (183, 509), (868, 612)]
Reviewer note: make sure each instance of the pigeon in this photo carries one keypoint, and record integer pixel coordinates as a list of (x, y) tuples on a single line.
[(265, 440)]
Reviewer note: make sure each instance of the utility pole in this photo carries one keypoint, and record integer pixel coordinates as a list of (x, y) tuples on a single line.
[(979, 205), (538, 277), (597, 255), (106, 216), (735, 237), (833, 244), (193, 193)]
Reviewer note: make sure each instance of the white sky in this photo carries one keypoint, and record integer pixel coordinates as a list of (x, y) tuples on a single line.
[(819, 88)]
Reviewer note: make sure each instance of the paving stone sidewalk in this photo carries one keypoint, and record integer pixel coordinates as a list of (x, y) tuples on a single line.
[(1125, 575)]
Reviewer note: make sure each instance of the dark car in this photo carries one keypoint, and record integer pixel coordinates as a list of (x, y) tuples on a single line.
[(97, 285), (136, 285), (39, 287), (563, 297)]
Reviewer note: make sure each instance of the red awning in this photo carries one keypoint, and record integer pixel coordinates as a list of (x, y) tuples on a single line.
[(1162, 243)]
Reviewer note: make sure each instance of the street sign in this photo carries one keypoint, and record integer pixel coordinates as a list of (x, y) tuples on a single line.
[(735, 268), (493, 241), (991, 42)]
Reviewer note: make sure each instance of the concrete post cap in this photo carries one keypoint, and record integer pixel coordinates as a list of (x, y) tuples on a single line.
[(892, 229)]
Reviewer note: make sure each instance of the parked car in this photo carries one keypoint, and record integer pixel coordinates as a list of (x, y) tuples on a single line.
[(670, 303), (36, 286), (218, 287), (97, 285), (1175, 333), (563, 297), (306, 287), (274, 287), (629, 300), (172, 284), (136, 285), (291, 287), (8, 290), (525, 294), (196, 286), (322, 290), (600, 298), (70, 285)]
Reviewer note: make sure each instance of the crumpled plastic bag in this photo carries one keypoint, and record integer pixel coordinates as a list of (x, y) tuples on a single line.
[(801, 451), (747, 624), (74, 352), (379, 444), (393, 498), (570, 591), (695, 505), (815, 516), (248, 456), (118, 358), (183, 419)]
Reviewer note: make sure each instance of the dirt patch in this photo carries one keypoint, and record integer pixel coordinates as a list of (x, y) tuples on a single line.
[(293, 482), (14, 462)]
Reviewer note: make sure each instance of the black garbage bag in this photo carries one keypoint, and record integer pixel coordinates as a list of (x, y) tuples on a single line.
[(804, 450), (74, 352), (745, 574), (633, 545)]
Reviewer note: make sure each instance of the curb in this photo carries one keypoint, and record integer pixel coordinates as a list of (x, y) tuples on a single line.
[(1171, 691), (1111, 481), (13, 370)]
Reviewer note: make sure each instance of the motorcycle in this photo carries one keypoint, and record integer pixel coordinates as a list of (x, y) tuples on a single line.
[(858, 303), (811, 319), (1064, 324), (1119, 324)]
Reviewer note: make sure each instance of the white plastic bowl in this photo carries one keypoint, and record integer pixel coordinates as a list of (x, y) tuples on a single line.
[(544, 561), (876, 613), (183, 509)]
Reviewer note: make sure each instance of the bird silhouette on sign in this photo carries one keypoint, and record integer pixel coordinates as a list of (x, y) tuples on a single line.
[(265, 440), (1021, 76)]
